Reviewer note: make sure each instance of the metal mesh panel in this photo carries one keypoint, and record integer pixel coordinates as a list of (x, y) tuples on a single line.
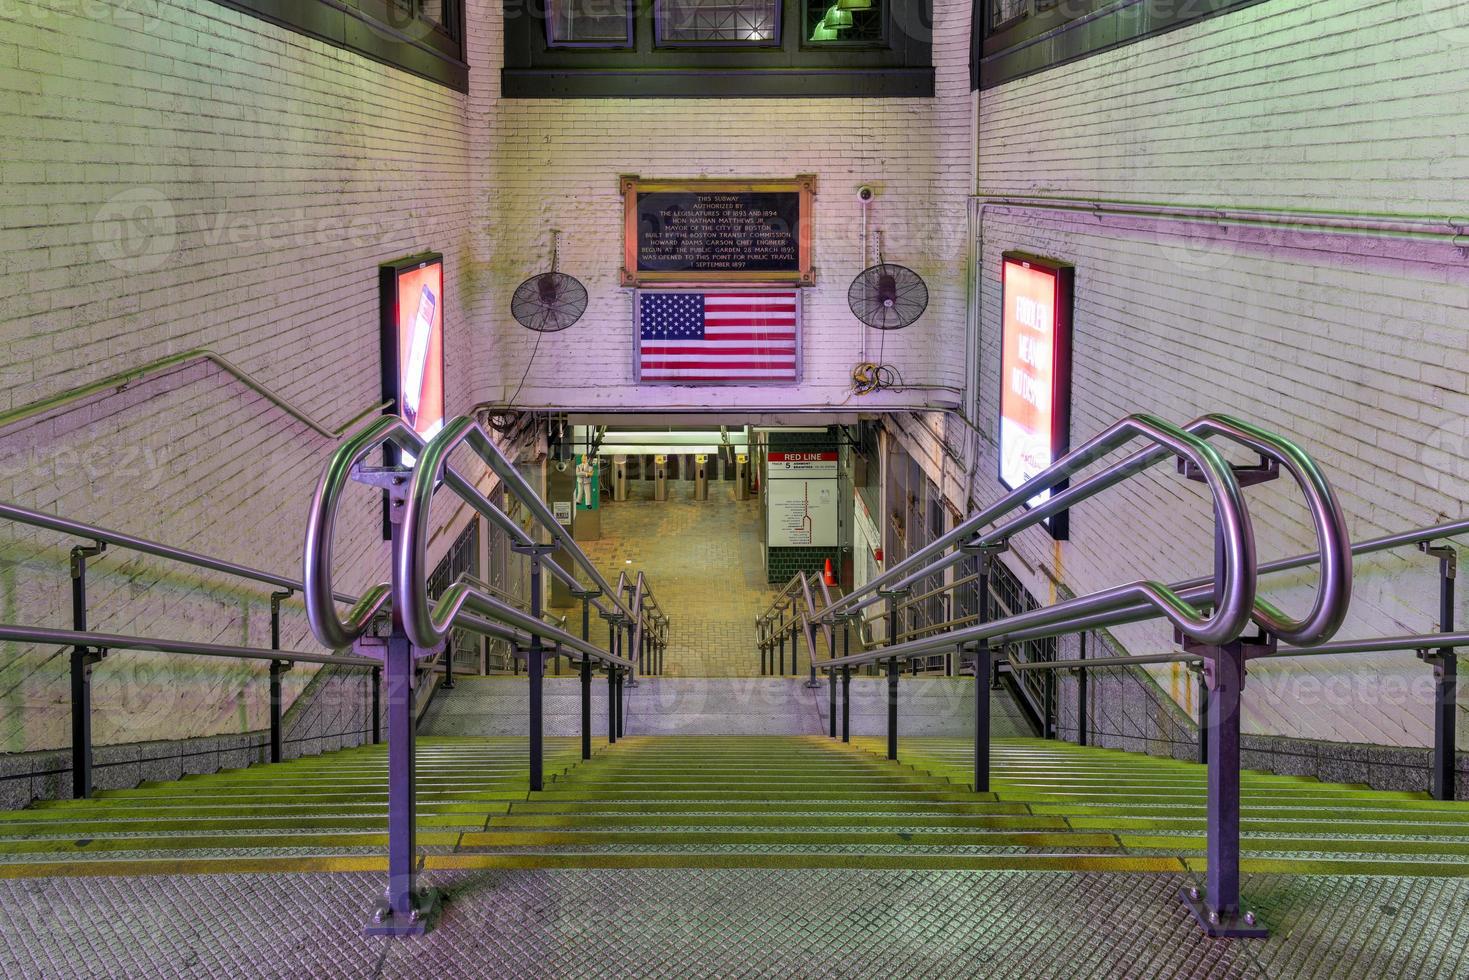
[(462, 558)]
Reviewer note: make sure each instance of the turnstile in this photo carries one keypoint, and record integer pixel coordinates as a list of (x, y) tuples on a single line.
[(619, 477), (701, 477)]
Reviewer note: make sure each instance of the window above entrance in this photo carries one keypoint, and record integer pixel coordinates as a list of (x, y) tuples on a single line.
[(580, 49)]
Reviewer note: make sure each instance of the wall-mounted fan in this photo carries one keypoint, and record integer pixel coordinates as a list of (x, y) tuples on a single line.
[(887, 296), (551, 301)]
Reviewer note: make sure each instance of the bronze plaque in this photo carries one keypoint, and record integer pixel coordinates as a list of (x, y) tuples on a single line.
[(717, 231)]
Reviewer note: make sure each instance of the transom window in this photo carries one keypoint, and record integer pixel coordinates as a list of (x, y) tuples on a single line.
[(590, 23), (809, 49), (830, 22), (754, 22)]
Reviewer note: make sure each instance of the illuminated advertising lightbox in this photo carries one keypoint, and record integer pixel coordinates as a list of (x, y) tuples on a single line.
[(1035, 372), (411, 297), (413, 340)]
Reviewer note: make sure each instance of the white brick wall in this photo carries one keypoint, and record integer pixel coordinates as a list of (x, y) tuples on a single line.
[(1355, 346), (554, 164), (278, 172)]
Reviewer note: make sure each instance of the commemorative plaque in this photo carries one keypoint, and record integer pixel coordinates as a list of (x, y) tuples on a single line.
[(717, 231)]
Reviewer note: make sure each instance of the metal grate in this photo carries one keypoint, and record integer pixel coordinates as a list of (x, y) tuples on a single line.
[(461, 559)]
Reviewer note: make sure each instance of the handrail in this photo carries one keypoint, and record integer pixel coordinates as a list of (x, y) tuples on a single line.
[(1335, 591), (642, 592), (112, 641), (1199, 589), (1231, 518), (1332, 597), (332, 630), (122, 379), (1235, 544), (92, 532), (428, 624), (1381, 644)]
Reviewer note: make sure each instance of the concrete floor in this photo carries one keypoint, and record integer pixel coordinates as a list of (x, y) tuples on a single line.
[(705, 565)]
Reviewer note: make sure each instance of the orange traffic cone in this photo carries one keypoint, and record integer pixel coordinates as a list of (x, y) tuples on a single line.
[(827, 575)]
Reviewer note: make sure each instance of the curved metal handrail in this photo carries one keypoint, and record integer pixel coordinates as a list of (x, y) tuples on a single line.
[(332, 630), (1334, 593), (1235, 545), (121, 380), (428, 624)]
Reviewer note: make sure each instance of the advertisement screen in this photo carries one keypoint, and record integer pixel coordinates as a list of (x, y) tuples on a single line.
[(413, 342), (421, 347), (1035, 371)]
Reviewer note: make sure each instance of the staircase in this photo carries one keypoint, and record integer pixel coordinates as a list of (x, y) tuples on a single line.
[(734, 802)]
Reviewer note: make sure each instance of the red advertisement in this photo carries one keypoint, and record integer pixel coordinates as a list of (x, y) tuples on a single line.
[(413, 340), (1035, 369), (421, 347)]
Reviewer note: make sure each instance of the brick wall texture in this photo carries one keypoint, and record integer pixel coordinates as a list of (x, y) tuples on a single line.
[(1352, 345), (176, 175)]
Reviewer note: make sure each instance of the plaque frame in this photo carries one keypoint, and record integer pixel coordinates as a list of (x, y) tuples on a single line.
[(630, 185)]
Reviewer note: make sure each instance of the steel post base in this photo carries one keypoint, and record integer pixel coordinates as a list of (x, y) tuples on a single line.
[(383, 922), (1230, 925)]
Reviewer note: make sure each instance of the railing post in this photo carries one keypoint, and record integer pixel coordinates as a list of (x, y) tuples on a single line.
[(782, 640), (893, 671), (846, 702), (1445, 663), (893, 674), (621, 708), (831, 682), (1218, 908), (612, 635), (982, 668), (377, 705), (634, 632), (586, 670), (1081, 719), (277, 668), (83, 659), (1203, 716), (535, 666), (405, 909)]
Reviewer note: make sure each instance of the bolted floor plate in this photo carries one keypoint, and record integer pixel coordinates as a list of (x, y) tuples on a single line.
[(1238, 925), (383, 923)]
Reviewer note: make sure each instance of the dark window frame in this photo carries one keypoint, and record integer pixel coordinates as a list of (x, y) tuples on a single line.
[(902, 67), (806, 43), (659, 41), (629, 41), (1049, 33), (366, 28)]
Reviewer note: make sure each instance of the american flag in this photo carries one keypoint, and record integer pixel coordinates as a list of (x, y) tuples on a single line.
[(720, 338)]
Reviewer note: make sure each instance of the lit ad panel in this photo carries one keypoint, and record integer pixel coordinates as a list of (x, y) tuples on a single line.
[(1035, 371)]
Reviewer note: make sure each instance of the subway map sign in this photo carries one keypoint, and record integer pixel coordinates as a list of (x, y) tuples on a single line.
[(1035, 371)]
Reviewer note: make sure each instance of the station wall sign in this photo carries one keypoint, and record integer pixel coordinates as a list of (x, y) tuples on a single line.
[(801, 513), (712, 231), (1035, 371), (799, 464)]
